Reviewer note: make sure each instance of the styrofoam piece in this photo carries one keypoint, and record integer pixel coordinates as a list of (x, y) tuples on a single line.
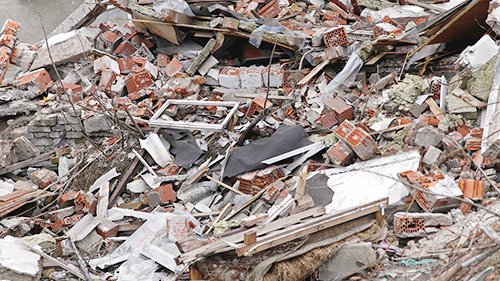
[(374, 179), (16, 257)]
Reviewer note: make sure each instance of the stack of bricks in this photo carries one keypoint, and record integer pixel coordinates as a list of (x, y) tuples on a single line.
[(8, 36), (46, 131)]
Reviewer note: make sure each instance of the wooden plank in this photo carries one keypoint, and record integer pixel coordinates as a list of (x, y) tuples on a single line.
[(304, 203), (16, 194), (225, 185), (311, 227), (438, 113), (315, 71), (27, 163), (221, 246), (250, 237), (375, 58), (246, 204)]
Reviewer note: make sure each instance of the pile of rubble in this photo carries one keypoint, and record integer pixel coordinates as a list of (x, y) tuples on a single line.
[(257, 140)]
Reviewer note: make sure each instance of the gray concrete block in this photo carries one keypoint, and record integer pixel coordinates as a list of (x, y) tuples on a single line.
[(45, 120), (432, 155), (39, 129), (41, 135), (425, 137), (38, 142), (97, 123)]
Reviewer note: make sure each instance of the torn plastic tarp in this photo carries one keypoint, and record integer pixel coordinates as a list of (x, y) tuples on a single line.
[(346, 77), (269, 27), (249, 157), (179, 6), (371, 180)]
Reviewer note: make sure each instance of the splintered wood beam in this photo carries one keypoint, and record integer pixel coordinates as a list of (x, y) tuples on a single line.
[(205, 52)]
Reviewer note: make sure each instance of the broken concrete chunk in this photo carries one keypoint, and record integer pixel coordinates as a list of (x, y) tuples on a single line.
[(64, 47)]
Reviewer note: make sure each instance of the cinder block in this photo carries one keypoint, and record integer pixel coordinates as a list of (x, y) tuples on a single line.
[(229, 77), (408, 225), (341, 154), (251, 77), (426, 137), (432, 155)]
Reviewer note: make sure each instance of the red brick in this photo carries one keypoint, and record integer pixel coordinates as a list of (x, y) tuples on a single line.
[(138, 81), (125, 65), (10, 27), (163, 60), (340, 154), (85, 203), (173, 67), (138, 39), (175, 17), (44, 177), (40, 77), (127, 31), (125, 49), (67, 199), (270, 10), (335, 37), (342, 110)]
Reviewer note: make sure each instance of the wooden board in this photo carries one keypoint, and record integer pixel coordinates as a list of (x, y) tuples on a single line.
[(310, 227), (220, 246)]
